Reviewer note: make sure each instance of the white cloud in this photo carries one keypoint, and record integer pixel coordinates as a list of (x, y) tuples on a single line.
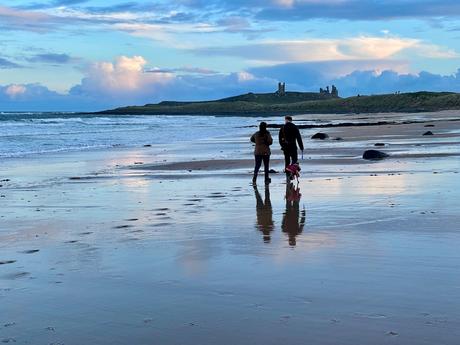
[(121, 78), (15, 90)]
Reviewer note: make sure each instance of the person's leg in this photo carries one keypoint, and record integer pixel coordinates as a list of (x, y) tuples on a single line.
[(287, 157), (295, 158), (258, 161), (266, 159)]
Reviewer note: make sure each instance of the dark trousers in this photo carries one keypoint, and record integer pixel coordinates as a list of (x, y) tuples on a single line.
[(259, 159), (290, 156)]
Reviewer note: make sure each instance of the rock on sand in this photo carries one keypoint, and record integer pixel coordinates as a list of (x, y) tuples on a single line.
[(374, 155), (320, 136)]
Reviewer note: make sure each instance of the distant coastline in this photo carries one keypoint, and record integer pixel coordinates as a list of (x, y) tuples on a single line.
[(258, 104)]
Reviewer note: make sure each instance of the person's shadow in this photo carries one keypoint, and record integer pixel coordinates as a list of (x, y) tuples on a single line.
[(293, 218), (264, 214)]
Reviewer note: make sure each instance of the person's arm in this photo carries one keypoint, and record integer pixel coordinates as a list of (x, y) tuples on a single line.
[(253, 138), (299, 139), (281, 137), (269, 139)]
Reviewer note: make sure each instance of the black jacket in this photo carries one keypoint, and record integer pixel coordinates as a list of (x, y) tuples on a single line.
[(289, 137)]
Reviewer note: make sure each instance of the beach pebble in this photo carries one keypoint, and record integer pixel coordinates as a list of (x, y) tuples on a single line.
[(428, 133), (374, 155), (320, 136)]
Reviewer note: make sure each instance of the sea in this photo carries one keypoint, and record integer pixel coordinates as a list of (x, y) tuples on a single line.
[(25, 134)]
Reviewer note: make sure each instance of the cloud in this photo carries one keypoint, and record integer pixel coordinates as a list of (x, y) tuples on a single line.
[(15, 19), (15, 90), (312, 75), (51, 58), (358, 9), (307, 50), (128, 81), (6, 64)]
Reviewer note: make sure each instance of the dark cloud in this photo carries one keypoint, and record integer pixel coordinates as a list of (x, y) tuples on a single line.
[(6, 64), (368, 82), (51, 58)]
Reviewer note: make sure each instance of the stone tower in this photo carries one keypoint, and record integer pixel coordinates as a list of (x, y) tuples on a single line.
[(281, 89)]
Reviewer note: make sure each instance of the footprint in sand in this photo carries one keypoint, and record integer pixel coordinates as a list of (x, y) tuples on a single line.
[(18, 275), (132, 220), (31, 251), (86, 233), (122, 226), (7, 262), (72, 241)]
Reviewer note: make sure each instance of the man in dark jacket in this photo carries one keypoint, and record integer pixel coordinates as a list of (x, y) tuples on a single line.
[(289, 137)]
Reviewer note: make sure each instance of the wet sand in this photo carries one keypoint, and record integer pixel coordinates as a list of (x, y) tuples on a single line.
[(96, 249)]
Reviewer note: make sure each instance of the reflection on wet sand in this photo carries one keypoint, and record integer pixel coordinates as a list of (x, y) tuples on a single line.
[(293, 219), (264, 213)]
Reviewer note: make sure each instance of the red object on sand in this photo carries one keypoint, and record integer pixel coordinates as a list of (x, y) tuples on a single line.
[(293, 170)]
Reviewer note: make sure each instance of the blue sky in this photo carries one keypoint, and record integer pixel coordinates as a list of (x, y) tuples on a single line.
[(93, 54)]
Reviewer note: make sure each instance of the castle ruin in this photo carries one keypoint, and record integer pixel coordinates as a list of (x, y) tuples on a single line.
[(281, 89), (334, 91)]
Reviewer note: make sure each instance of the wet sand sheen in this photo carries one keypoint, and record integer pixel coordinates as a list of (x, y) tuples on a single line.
[(363, 253)]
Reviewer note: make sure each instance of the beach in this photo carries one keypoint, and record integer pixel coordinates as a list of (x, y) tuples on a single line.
[(154, 234)]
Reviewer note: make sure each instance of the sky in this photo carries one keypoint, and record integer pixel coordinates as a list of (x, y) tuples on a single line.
[(84, 55)]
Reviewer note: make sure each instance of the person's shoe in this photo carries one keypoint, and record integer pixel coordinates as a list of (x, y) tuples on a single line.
[(268, 180)]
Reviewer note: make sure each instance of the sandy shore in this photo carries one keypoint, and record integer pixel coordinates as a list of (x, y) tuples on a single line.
[(172, 245)]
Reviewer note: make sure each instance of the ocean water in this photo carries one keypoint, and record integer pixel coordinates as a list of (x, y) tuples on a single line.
[(25, 134)]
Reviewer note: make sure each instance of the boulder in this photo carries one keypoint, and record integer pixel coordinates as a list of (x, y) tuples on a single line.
[(428, 133), (379, 144), (320, 136), (374, 155)]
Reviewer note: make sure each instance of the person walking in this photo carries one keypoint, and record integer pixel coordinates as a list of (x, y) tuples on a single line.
[(263, 140), (289, 138)]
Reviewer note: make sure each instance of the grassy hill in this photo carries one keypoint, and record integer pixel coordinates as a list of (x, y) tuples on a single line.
[(301, 103)]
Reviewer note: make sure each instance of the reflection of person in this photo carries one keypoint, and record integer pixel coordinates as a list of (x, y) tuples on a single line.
[(289, 137), (293, 219), (263, 140), (264, 214)]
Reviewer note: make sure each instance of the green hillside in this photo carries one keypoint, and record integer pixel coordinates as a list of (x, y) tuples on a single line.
[(301, 103)]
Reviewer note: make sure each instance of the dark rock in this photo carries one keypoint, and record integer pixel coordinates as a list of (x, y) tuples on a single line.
[(428, 126), (379, 144), (320, 136), (147, 145), (428, 133), (272, 171), (338, 138), (374, 155)]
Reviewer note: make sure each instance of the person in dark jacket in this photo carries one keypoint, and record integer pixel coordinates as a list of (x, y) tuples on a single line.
[(263, 140), (289, 137)]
